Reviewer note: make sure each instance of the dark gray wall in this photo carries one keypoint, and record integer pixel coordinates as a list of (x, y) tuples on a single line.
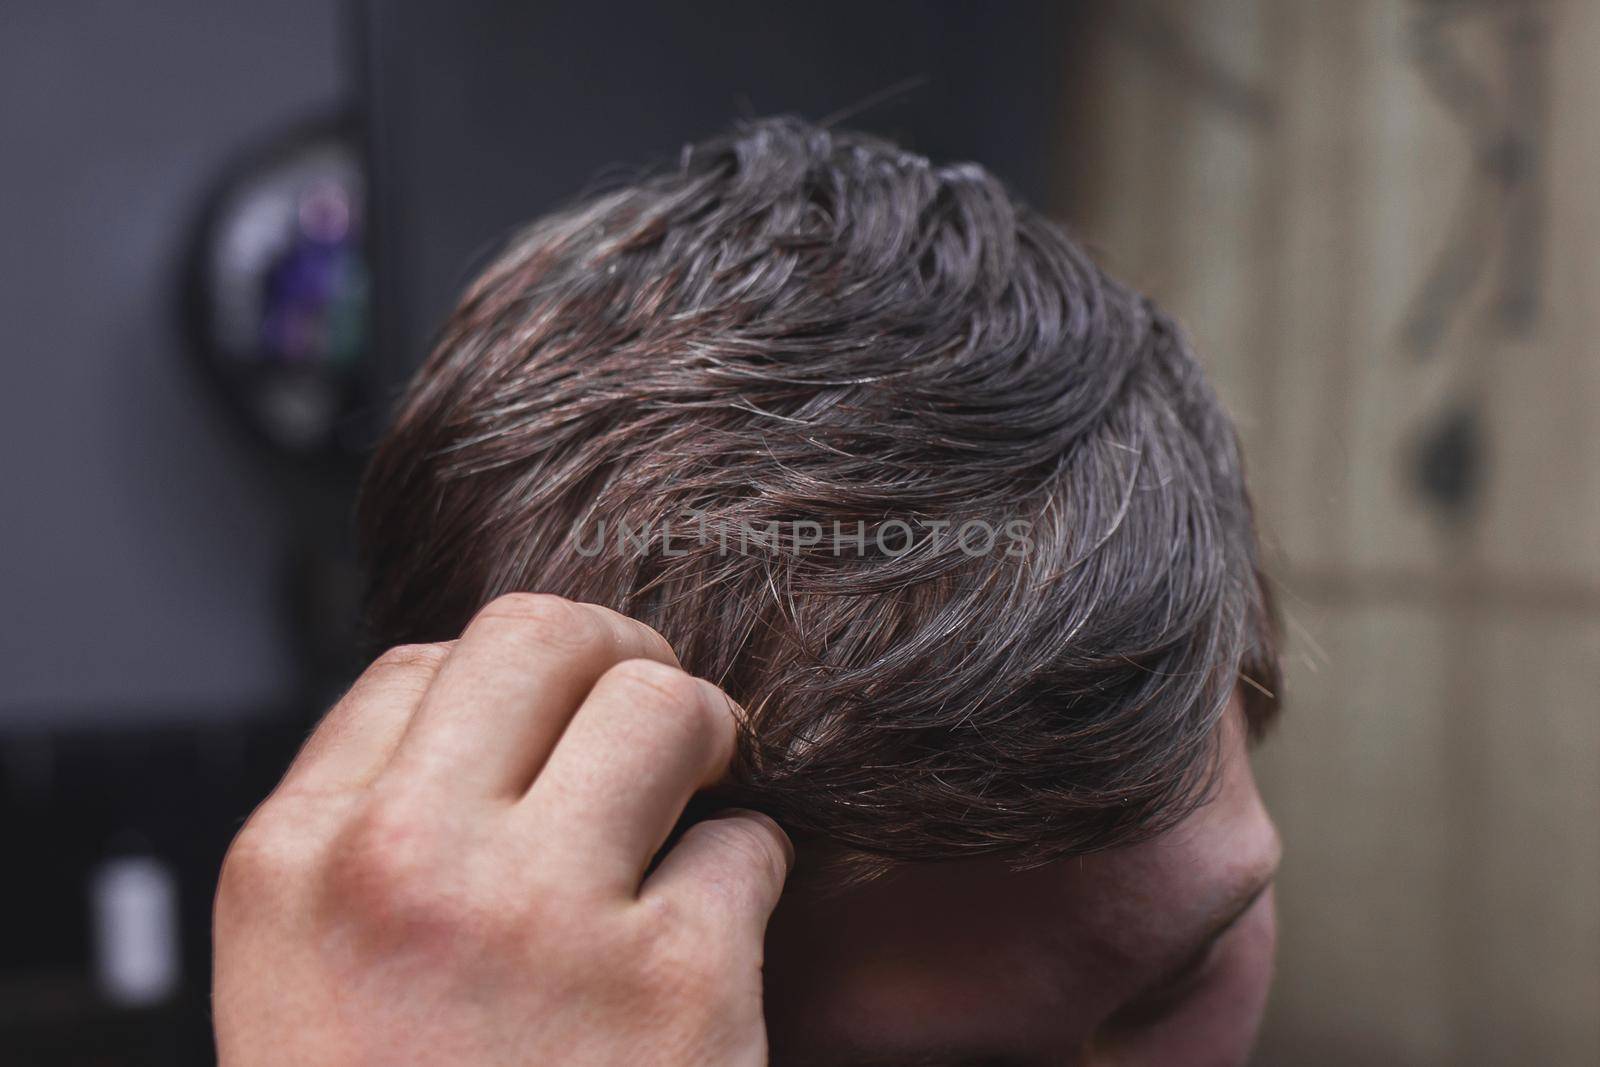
[(140, 549), (487, 113)]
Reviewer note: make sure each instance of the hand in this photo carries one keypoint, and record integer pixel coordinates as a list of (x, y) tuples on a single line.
[(453, 871)]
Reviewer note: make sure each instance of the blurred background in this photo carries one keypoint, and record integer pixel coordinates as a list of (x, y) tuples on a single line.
[(230, 230)]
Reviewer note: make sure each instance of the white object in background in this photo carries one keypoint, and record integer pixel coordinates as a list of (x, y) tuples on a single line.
[(135, 905)]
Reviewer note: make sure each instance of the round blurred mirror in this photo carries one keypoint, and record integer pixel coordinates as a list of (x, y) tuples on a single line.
[(280, 295)]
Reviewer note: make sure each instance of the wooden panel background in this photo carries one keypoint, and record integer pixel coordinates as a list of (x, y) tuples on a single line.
[(1380, 224)]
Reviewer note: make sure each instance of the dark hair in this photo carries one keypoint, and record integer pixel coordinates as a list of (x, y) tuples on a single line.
[(798, 324)]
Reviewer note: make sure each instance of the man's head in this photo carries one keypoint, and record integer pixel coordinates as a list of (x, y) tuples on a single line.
[(952, 514)]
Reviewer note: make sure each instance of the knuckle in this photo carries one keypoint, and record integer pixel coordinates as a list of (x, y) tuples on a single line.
[(658, 643), (261, 858), (544, 619), (749, 845), (650, 639), (385, 871), (415, 657), (544, 608), (420, 661), (673, 698), (385, 837), (656, 681)]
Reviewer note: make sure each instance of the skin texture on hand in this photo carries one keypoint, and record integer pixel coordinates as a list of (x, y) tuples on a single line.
[(454, 869)]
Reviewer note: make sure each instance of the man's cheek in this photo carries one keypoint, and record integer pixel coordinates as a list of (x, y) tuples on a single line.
[(1217, 1025), (1225, 1016)]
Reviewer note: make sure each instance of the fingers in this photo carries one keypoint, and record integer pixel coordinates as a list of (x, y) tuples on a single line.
[(647, 737), (509, 688), (730, 869), (578, 715), (355, 739)]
